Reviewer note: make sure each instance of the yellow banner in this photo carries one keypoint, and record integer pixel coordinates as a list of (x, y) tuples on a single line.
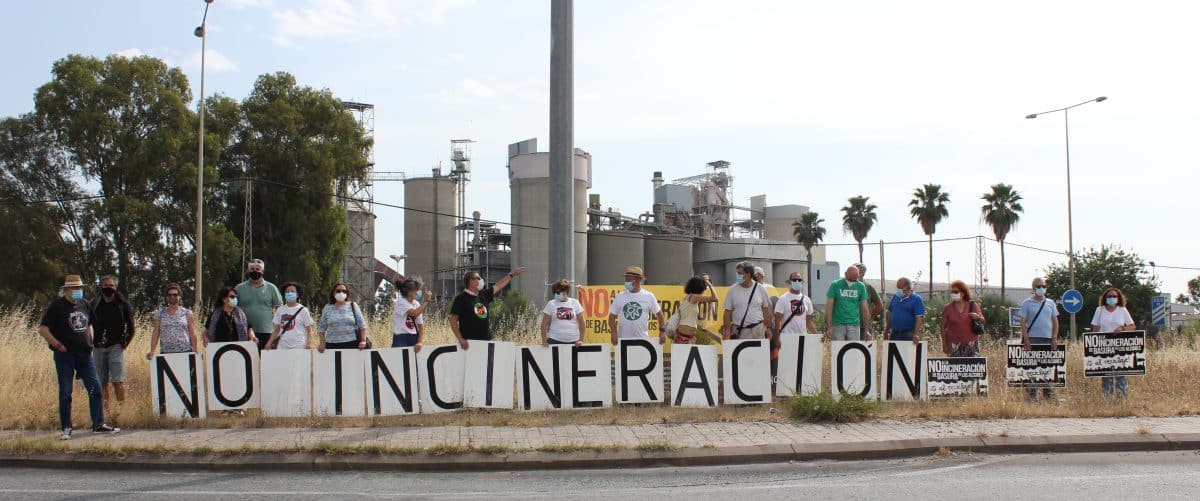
[(597, 298)]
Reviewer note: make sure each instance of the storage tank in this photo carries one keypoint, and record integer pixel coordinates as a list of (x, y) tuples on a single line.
[(668, 259), (529, 182), (778, 219), (609, 252), (784, 269), (429, 239)]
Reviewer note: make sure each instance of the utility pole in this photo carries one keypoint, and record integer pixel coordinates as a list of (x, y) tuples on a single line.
[(562, 142)]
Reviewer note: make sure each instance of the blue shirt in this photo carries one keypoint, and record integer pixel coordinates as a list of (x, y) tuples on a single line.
[(1043, 327), (341, 324), (905, 311)]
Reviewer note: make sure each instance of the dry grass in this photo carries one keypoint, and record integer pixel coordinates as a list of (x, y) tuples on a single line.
[(29, 387)]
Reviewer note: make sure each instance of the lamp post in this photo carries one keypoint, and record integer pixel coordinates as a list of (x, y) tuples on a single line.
[(1070, 222), (200, 32)]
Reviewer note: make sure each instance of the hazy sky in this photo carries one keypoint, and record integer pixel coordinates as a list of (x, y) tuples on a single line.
[(811, 102)]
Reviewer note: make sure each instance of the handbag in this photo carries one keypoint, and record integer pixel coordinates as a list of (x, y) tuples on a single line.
[(976, 325), (354, 308)]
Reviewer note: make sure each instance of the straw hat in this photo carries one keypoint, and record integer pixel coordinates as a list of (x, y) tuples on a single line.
[(72, 281), (634, 270)]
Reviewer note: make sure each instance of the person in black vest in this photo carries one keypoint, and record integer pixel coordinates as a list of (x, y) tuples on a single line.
[(67, 329), (113, 321), (469, 312)]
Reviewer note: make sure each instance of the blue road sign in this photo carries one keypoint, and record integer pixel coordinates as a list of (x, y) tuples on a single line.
[(1072, 301), (1158, 310)]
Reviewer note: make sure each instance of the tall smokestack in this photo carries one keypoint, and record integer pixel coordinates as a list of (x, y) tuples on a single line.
[(562, 143)]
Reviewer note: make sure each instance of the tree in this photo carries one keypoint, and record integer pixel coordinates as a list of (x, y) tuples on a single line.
[(809, 232), (1001, 213), (296, 143), (928, 207), (1193, 291), (1099, 269), (858, 218)]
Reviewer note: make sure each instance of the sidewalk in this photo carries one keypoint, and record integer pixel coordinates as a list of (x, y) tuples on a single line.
[(491, 447)]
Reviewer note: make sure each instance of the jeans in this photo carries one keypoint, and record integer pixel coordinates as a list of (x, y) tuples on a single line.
[(68, 365), (905, 335), (1107, 383), (404, 340), (1046, 392)]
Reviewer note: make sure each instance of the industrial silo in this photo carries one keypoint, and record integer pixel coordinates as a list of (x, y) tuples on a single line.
[(610, 252), (429, 240), (668, 259), (784, 269), (529, 183)]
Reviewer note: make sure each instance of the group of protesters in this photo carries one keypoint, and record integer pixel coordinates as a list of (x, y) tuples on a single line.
[(89, 338)]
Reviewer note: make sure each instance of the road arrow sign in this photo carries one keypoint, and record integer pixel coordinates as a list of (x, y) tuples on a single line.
[(1072, 301)]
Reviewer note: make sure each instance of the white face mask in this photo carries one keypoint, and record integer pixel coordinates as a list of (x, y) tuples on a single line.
[(1040, 291), (956, 296), (340, 296)]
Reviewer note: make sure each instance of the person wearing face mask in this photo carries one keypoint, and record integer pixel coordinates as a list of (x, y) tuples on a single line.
[(258, 298), (67, 328), (113, 327), (174, 326), (471, 307), (292, 324), (1111, 316), (958, 339), (228, 323), (635, 305), (689, 310), (408, 315), (846, 309), (342, 325), (906, 313), (747, 308), (562, 318), (1039, 324), (793, 311)]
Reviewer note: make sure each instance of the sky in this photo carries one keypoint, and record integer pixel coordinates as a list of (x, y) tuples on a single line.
[(811, 102)]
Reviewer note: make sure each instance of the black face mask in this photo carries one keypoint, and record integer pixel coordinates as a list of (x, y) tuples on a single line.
[(108, 291), (254, 275)]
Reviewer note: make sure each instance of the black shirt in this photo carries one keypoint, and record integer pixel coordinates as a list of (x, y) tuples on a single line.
[(226, 331), (472, 312), (113, 321), (68, 324)]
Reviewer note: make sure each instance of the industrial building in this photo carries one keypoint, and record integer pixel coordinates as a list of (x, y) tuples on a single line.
[(692, 226)]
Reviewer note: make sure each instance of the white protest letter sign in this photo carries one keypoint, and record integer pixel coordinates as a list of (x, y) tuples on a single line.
[(590, 374), (490, 369), (177, 385), (440, 373), (542, 381), (287, 389), (338, 385), (639, 371), (904, 370), (747, 368), (800, 357), (852, 366), (391, 376), (232, 375), (693, 375)]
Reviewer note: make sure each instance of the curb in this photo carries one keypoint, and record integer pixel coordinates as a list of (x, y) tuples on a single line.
[(531, 460)]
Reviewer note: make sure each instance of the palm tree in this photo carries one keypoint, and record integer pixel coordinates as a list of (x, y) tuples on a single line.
[(929, 208), (809, 233), (858, 218), (1002, 212)]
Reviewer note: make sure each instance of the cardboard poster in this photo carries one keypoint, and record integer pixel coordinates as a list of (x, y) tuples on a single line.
[(339, 388), (904, 371), (489, 374), (694, 376), (954, 377), (286, 383), (391, 382), (800, 363), (1114, 354), (177, 385), (440, 376), (639, 371), (1040, 367), (852, 368), (232, 370), (746, 365)]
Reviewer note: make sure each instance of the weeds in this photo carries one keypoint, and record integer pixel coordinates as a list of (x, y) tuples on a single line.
[(656, 446), (825, 407)]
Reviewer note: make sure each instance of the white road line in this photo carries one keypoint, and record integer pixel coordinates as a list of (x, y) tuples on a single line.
[(949, 468)]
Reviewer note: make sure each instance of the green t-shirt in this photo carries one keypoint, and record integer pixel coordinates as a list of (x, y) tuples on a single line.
[(259, 304), (846, 310)]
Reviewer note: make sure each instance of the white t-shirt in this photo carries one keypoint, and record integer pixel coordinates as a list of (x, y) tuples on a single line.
[(1110, 320), (737, 299), (794, 302), (564, 323), (297, 336), (633, 311), (402, 322)]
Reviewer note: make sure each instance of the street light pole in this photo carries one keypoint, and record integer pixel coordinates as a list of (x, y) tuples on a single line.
[(1070, 217), (200, 32)]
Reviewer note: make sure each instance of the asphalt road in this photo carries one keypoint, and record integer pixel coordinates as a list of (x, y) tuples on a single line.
[(1134, 475)]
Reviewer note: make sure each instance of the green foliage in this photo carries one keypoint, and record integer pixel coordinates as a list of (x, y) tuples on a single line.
[(1001, 213), (809, 232), (928, 207), (510, 313), (1097, 269), (1193, 291), (823, 408), (993, 306), (857, 218)]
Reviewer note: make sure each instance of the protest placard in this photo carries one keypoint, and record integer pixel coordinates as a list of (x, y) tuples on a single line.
[(1114, 354)]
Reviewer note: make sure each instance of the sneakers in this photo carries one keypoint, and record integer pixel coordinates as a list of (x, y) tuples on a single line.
[(66, 434), (106, 429)]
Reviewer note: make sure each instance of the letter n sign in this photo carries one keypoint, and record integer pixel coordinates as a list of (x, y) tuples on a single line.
[(176, 385)]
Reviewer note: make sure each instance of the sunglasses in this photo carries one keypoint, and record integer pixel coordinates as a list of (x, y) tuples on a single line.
[(340, 290)]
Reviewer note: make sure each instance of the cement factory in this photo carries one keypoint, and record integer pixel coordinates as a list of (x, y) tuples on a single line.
[(692, 226)]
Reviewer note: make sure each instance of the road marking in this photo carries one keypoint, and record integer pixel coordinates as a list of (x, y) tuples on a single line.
[(949, 468)]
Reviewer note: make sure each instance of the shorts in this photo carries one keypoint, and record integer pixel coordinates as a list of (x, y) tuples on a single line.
[(404, 340), (110, 364), (757, 332), (845, 332)]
